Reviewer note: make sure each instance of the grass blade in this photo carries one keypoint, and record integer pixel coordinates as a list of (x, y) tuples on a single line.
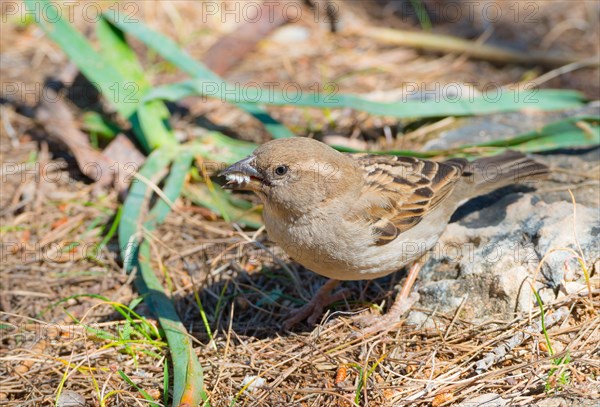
[(503, 101), (156, 163), (119, 54), (573, 132), (94, 123), (97, 69), (113, 229), (222, 205), (150, 120), (217, 146), (143, 392), (569, 133), (173, 53), (114, 70), (188, 384)]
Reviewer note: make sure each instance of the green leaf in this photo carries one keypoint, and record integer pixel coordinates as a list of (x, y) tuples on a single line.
[(173, 53), (97, 69), (216, 146), (135, 302), (6, 327), (93, 122), (503, 101), (156, 163), (114, 71), (143, 392), (187, 372), (119, 54), (126, 331), (221, 203), (172, 189), (151, 119), (573, 132), (421, 13), (569, 133), (408, 153), (113, 228)]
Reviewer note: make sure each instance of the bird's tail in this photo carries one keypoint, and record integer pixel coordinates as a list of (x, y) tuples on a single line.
[(490, 173)]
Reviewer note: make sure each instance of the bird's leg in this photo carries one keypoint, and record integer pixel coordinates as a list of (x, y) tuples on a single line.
[(403, 302), (314, 309)]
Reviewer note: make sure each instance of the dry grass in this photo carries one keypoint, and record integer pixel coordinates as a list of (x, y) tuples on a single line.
[(246, 290), (246, 294)]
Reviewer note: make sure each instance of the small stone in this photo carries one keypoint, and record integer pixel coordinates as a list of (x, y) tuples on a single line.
[(69, 398), (566, 402), (484, 400), (291, 34), (253, 382)]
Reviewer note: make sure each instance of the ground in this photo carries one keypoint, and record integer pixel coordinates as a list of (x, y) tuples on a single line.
[(62, 278)]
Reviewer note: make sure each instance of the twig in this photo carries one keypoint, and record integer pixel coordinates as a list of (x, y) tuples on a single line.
[(500, 351), (573, 66), (12, 134), (582, 261), (456, 314), (155, 188), (448, 44), (570, 186)]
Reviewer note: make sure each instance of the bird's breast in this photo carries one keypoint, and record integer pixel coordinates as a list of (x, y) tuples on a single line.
[(343, 250)]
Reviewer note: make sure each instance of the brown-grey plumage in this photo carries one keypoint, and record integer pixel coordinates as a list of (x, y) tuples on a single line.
[(362, 216)]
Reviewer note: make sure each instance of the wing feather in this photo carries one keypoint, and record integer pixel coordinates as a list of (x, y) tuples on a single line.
[(399, 191)]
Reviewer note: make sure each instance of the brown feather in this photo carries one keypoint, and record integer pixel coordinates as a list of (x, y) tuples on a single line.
[(403, 190)]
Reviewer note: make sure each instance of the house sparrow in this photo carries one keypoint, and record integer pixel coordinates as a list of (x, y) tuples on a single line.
[(363, 216)]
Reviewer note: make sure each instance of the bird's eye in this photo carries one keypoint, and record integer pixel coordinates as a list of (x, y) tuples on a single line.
[(281, 170)]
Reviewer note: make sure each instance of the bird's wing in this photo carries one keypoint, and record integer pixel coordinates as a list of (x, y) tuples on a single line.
[(399, 191)]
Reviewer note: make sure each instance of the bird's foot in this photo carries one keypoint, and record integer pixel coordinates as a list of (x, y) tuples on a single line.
[(403, 302), (376, 324), (313, 310)]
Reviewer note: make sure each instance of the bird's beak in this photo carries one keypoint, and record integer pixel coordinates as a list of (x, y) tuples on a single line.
[(242, 175)]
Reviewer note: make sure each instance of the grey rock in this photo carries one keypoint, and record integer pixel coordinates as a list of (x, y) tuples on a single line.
[(487, 257), (69, 398), (584, 168), (566, 402), (503, 126), (484, 400)]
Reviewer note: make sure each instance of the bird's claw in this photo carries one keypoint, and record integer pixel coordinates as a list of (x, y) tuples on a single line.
[(313, 310), (373, 324)]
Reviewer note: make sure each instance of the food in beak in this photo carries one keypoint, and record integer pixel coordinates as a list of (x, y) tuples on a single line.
[(237, 179), (241, 174)]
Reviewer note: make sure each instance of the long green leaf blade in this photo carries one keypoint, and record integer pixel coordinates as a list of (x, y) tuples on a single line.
[(131, 221), (219, 147), (575, 132), (114, 70), (150, 120), (98, 70), (222, 205), (505, 101), (173, 53), (117, 53), (187, 371)]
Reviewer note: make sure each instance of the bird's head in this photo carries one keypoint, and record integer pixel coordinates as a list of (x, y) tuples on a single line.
[(294, 174)]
